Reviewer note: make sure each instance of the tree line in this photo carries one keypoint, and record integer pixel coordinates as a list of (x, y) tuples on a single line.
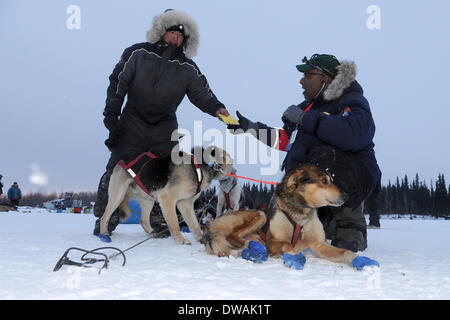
[(36, 199), (415, 197), (402, 197)]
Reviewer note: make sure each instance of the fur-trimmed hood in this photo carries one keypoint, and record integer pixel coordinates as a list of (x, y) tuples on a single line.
[(345, 76), (173, 17)]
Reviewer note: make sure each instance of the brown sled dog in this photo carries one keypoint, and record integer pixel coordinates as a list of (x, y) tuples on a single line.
[(291, 224)]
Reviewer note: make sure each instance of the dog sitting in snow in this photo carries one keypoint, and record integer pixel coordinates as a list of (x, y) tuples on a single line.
[(290, 225)]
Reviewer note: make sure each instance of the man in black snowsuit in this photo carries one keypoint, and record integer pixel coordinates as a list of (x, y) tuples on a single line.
[(155, 75), (333, 129)]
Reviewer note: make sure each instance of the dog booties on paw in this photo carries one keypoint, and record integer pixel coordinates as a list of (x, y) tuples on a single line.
[(360, 262), (296, 261), (256, 252), (104, 238)]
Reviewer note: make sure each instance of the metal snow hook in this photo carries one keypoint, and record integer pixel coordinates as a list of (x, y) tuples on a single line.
[(88, 262)]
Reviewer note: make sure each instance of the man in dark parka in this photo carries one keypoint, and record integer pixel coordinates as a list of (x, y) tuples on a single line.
[(333, 129)]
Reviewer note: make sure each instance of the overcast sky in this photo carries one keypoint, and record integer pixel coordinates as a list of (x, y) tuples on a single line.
[(54, 75)]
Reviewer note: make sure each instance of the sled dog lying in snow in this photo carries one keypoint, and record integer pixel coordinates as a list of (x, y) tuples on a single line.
[(291, 223), (228, 196), (172, 185)]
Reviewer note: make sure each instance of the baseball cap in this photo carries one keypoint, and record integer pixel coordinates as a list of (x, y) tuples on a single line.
[(325, 63)]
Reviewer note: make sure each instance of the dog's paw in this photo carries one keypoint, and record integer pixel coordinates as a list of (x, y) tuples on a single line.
[(360, 262), (104, 238), (182, 240), (296, 261), (256, 252)]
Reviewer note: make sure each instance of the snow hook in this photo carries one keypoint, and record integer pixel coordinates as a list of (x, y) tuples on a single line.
[(87, 262)]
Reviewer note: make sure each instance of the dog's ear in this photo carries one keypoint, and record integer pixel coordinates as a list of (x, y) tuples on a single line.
[(227, 160), (209, 154), (295, 179)]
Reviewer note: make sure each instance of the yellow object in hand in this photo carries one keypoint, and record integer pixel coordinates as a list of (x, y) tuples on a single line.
[(228, 119)]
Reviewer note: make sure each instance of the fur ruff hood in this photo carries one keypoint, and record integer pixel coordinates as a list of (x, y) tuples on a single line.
[(345, 76), (174, 17)]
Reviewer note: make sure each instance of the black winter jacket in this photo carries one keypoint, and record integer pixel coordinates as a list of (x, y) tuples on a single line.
[(155, 78)]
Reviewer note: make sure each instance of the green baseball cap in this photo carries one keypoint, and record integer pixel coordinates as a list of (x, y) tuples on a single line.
[(325, 63)]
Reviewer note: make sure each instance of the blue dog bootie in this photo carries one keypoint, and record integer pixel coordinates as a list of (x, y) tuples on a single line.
[(104, 238), (360, 262), (296, 261), (185, 229), (256, 252)]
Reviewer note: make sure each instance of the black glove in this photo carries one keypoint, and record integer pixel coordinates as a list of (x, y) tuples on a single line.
[(244, 124), (111, 123), (293, 114), (113, 139), (115, 131)]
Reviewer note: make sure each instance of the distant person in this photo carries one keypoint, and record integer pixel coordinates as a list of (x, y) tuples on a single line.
[(1, 185), (77, 204), (14, 194), (155, 76), (333, 129)]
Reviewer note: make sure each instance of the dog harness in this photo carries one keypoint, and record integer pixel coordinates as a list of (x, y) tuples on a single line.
[(295, 234), (136, 167), (227, 194), (227, 200)]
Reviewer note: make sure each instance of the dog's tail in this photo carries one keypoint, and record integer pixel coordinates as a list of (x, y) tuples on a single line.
[(124, 209)]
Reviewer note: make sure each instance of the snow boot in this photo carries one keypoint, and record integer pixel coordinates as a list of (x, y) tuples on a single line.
[(113, 222), (100, 205), (350, 239), (351, 229)]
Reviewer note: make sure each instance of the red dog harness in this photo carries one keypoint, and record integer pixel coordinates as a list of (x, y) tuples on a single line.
[(135, 168), (295, 234)]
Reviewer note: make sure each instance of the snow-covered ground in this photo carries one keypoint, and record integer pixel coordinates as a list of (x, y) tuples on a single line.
[(414, 256)]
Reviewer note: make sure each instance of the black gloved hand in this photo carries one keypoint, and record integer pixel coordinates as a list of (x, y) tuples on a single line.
[(111, 123), (115, 131), (293, 114), (113, 139), (244, 124)]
